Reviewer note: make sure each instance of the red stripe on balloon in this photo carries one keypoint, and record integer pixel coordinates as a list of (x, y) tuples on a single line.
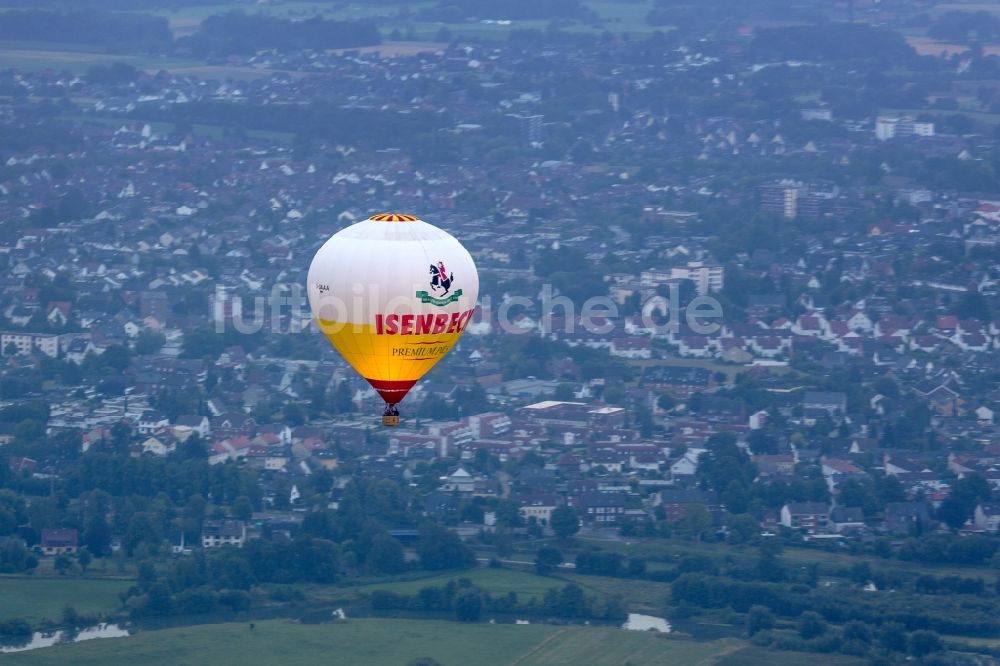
[(392, 391)]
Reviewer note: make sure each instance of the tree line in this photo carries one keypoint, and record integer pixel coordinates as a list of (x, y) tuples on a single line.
[(469, 602), (117, 32), (218, 35), (239, 33)]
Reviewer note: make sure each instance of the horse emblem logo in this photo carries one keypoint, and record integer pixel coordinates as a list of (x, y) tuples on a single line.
[(441, 280)]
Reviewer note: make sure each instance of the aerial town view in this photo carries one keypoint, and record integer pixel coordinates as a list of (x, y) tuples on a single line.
[(511, 333)]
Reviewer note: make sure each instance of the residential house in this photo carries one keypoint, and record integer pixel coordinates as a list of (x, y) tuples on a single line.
[(226, 532), (906, 517), (25, 343), (836, 471), (810, 517), (459, 481), (830, 402), (159, 446), (774, 464), (58, 541), (152, 421), (675, 502), (847, 519), (687, 465), (187, 424), (539, 506), (632, 347), (600, 509), (233, 424)]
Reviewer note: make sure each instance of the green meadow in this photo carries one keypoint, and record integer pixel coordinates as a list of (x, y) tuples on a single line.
[(385, 642)]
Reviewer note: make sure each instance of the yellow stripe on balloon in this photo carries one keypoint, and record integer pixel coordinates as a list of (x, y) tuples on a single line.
[(387, 357)]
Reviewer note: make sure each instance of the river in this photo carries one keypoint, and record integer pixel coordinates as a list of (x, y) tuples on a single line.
[(43, 640)]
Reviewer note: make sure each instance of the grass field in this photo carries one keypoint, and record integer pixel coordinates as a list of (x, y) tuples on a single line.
[(31, 56), (627, 17), (966, 7), (223, 72), (383, 642), (643, 596), (202, 129), (36, 599), (929, 46), (398, 49), (639, 595), (496, 582), (974, 641), (78, 62), (758, 656)]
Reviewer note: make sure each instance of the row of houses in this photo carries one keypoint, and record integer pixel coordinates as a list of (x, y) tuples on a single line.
[(214, 534)]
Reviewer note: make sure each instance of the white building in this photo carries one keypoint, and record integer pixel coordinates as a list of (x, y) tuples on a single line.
[(541, 510), (707, 277), (459, 481), (25, 343), (217, 533), (893, 127), (686, 465), (816, 113), (632, 347), (151, 421), (758, 420)]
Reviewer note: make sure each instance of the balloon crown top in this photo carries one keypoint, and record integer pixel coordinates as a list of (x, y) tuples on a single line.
[(393, 217)]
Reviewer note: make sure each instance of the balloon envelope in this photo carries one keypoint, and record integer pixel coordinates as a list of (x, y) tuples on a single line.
[(392, 294)]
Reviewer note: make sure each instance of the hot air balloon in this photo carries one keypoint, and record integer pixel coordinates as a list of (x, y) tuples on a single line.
[(392, 294)]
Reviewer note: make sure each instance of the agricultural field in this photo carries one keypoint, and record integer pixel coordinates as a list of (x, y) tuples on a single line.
[(76, 58), (200, 129), (495, 581), (643, 596), (929, 46), (398, 49), (37, 599), (639, 595), (966, 7), (385, 642), (758, 656), (78, 61)]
